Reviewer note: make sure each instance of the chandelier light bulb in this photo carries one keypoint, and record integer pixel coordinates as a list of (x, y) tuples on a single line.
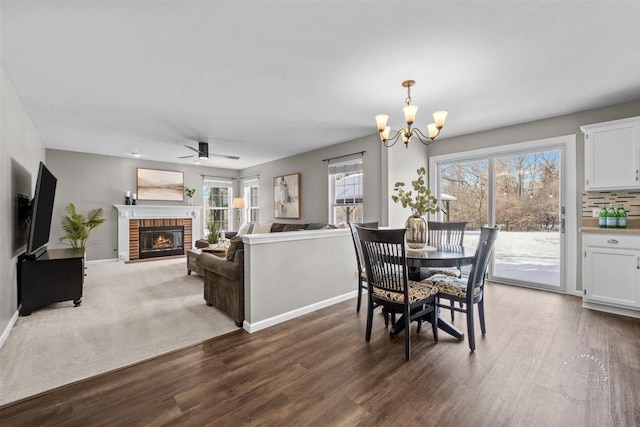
[(433, 130), (439, 117), (410, 114), (381, 120)]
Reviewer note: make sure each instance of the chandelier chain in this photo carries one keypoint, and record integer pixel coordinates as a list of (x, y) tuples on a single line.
[(408, 100)]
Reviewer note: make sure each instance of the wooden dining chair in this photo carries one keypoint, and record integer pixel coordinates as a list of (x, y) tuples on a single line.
[(468, 291), (445, 233), (385, 259), (361, 272)]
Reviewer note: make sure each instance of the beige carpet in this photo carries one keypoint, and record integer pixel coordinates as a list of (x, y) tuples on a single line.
[(129, 312)]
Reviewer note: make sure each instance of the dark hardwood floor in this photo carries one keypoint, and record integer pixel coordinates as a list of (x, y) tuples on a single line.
[(533, 368)]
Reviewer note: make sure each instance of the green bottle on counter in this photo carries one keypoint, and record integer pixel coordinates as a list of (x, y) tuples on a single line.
[(602, 217), (622, 217), (612, 217)]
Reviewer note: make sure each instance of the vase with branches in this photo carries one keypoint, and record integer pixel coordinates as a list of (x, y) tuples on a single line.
[(421, 202), (77, 226), (190, 192)]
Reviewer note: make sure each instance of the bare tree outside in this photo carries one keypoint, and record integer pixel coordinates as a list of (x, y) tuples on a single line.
[(525, 187), (527, 204)]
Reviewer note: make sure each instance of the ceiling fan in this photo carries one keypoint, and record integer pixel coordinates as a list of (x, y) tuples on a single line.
[(202, 152)]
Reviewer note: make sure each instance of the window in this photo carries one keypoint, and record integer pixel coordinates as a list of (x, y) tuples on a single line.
[(345, 191), (217, 195), (251, 200)]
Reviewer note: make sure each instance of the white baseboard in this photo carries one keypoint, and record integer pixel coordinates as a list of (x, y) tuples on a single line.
[(262, 324), (102, 261), (611, 309), (7, 330)]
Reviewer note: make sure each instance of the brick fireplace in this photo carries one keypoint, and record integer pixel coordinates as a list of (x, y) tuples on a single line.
[(158, 237), (166, 230)]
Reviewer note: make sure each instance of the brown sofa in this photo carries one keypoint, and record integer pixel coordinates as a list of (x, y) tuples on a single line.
[(224, 277), (224, 280)]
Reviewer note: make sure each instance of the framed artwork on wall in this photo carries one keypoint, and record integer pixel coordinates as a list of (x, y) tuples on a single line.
[(154, 184), (286, 190)]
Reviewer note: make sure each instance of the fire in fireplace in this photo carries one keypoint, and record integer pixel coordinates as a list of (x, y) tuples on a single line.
[(161, 241)]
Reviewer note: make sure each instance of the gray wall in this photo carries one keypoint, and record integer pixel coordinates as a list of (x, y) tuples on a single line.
[(552, 127), (314, 180), (21, 151), (92, 180)]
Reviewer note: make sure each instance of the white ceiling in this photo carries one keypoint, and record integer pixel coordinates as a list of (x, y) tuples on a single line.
[(264, 80)]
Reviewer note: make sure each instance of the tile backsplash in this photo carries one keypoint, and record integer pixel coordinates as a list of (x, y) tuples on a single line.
[(629, 199)]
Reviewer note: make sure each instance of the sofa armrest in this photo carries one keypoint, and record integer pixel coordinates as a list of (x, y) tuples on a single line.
[(221, 266)]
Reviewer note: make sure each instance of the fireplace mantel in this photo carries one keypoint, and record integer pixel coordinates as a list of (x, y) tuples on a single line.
[(130, 212)]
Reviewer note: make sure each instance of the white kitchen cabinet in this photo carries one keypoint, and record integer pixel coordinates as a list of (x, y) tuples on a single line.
[(612, 155), (611, 272)]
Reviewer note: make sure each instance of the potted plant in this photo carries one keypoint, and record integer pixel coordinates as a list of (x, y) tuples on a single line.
[(421, 203), (77, 226), (190, 192), (213, 230)]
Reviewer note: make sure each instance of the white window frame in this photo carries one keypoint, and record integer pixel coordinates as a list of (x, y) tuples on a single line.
[(250, 206), (217, 183), (354, 165)]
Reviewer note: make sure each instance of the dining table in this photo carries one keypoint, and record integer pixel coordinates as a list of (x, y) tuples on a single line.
[(444, 255)]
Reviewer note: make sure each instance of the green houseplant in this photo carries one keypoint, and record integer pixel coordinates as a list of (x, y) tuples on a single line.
[(77, 226), (213, 232), (421, 203)]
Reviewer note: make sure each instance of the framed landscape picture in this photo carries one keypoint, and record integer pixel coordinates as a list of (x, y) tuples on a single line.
[(286, 191), (154, 184)]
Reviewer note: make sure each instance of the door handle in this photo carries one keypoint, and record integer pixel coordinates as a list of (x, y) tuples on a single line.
[(612, 241)]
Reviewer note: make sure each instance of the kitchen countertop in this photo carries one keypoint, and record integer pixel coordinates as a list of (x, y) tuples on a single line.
[(610, 230), (590, 225)]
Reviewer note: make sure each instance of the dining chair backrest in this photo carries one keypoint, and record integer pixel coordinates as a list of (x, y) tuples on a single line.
[(385, 259), (488, 236), (356, 240), (449, 233)]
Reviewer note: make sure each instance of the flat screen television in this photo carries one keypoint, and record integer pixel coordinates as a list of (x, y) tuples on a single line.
[(41, 212)]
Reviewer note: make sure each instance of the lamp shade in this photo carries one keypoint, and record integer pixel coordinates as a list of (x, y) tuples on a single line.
[(238, 203)]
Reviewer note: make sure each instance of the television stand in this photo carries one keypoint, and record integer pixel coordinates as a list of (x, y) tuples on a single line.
[(55, 276)]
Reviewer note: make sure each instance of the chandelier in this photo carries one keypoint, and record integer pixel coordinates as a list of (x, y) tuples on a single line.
[(433, 129)]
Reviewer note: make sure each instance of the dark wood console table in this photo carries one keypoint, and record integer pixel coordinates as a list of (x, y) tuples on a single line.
[(56, 276)]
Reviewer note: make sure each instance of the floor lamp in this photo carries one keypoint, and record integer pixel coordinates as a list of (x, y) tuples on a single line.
[(238, 203)]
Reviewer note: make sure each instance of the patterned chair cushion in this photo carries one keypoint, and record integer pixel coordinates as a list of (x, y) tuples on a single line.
[(448, 285), (363, 274), (417, 291), (449, 271)]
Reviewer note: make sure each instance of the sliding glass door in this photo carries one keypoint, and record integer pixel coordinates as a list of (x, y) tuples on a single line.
[(520, 191), (527, 210)]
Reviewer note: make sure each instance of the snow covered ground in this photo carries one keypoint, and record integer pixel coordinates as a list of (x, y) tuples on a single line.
[(525, 256)]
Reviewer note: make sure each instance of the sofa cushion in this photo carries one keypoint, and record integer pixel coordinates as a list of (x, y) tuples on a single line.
[(202, 243), (260, 227), (235, 245), (244, 229), (294, 227), (277, 227), (316, 226)]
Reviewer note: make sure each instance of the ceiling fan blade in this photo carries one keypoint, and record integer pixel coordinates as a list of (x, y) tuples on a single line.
[(186, 157), (192, 149), (224, 156)]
